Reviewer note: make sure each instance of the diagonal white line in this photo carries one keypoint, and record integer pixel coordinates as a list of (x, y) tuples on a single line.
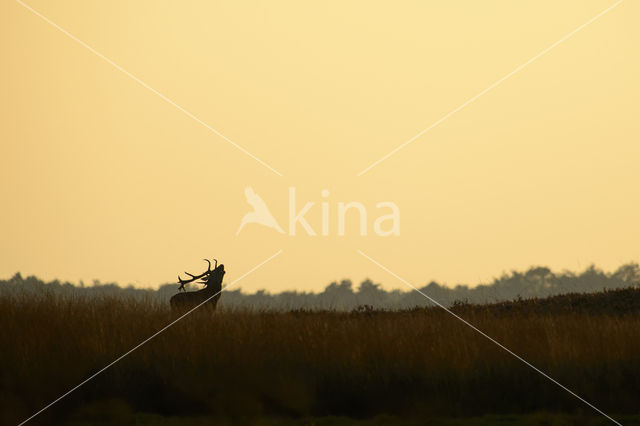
[(145, 85), (474, 98), (149, 338), (488, 337)]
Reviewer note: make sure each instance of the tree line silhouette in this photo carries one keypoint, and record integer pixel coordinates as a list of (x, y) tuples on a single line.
[(536, 282)]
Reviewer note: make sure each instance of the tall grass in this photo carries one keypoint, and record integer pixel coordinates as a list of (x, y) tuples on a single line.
[(236, 364)]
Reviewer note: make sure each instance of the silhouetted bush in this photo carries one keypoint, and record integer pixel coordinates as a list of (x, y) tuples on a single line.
[(536, 282)]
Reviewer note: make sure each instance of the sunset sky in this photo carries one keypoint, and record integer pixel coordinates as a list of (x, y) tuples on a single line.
[(110, 168)]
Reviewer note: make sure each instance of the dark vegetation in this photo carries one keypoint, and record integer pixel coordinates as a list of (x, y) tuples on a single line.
[(417, 364), (537, 282)]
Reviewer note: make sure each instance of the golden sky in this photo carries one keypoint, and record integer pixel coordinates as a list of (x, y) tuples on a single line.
[(104, 179)]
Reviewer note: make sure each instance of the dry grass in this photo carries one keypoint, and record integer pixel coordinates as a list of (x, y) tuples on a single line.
[(291, 364)]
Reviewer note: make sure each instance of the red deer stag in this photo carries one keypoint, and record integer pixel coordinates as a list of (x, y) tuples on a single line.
[(212, 280)]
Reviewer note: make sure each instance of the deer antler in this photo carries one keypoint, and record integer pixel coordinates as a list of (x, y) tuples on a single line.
[(195, 277)]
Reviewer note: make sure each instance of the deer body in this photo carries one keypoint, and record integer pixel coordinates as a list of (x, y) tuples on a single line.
[(212, 280)]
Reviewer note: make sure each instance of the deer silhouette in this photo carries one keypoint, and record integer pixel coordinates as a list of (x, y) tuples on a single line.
[(212, 280)]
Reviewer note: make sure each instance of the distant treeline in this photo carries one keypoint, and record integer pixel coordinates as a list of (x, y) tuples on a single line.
[(537, 282)]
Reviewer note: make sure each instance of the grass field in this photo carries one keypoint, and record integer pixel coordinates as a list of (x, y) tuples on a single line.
[(364, 367)]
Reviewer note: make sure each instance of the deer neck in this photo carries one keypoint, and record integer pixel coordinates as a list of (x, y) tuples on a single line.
[(212, 288)]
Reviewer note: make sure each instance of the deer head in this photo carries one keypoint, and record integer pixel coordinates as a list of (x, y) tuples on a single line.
[(218, 271)]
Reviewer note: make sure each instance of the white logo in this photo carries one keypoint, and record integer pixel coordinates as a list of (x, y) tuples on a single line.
[(263, 216), (260, 213)]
